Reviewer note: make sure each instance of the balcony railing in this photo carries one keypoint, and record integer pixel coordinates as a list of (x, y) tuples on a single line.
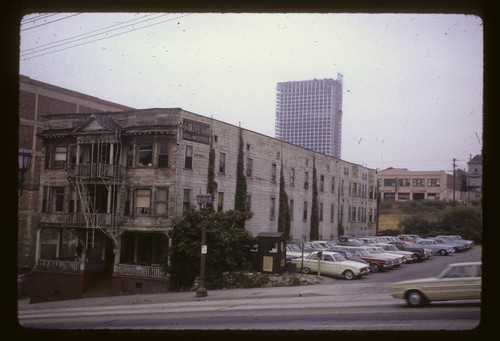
[(141, 270), (94, 219), (96, 170)]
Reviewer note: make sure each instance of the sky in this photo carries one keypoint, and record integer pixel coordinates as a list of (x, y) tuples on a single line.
[(413, 83)]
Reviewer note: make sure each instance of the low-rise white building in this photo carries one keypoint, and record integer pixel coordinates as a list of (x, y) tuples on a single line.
[(401, 184)]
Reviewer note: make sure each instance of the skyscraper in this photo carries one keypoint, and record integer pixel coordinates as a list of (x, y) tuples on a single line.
[(309, 114)]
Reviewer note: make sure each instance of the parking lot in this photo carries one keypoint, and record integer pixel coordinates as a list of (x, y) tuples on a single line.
[(426, 268)]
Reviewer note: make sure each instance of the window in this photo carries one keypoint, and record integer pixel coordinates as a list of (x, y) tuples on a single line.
[(248, 203), (188, 161), (186, 199), (222, 163), (389, 182), (54, 196), (273, 172), (322, 183), (142, 201), (145, 155), (404, 182), (162, 201), (163, 155), (249, 167), (60, 155), (333, 185), (418, 182), (290, 208), (220, 201), (433, 182), (304, 213), (306, 180), (353, 212), (292, 177), (332, 212), (271, 208)]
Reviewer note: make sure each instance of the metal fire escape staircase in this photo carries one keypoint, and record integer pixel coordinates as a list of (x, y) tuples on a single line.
[(101, 172)]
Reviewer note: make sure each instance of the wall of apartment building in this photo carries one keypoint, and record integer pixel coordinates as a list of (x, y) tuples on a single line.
[(35, 100), (268, 156)]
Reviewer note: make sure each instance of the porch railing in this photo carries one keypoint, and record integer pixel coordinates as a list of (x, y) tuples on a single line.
[(68, 266), (141, 270), (58, 265)]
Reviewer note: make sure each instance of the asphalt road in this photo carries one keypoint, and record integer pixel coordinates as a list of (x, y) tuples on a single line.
[(364, 304)]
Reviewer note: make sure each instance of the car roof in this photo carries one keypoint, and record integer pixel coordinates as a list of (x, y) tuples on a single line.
[(466, 264)]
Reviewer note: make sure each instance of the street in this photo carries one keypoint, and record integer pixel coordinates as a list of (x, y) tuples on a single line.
[(364, 304)]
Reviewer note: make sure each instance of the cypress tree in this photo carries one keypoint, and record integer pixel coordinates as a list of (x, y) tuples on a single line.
[(211, 184), (284, 209), (241, 182), (314, 235)]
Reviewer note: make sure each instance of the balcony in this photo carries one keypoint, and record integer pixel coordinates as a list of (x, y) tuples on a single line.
[(94, 220), (151, 271), (96, 170)]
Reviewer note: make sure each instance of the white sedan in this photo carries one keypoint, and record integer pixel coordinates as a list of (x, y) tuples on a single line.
[(332, 264)]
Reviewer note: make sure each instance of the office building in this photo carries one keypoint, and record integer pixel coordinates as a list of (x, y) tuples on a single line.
[(309, 114)]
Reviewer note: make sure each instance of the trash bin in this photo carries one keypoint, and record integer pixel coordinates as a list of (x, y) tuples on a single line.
[(271, 252)]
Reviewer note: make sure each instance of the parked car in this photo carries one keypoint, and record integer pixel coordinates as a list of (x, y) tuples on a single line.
[(408, 237), (377, 263), (440, 249), (349, 255), (419, 251), (451, 239), (295, 250), (459, 281), (458, 247), (409, 256), (378, 251), (332, 264), (349, 241)]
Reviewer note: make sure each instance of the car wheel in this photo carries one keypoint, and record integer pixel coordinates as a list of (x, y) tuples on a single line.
[(348, 274), (306, 271), (415, 298), (374, 267), (443, 252)]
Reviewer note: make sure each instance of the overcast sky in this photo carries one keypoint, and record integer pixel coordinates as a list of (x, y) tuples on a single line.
[(413, 83)]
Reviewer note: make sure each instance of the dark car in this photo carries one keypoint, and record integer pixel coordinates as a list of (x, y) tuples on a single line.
[(376, 263), (349, 255), (418, 250)]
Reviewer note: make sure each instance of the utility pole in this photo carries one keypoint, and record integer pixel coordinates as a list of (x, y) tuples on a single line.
[(454, 179)]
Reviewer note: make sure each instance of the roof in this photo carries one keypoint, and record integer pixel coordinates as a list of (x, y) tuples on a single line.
[(476, 159)]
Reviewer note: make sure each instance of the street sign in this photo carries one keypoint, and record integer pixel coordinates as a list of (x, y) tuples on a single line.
[(203, 249)]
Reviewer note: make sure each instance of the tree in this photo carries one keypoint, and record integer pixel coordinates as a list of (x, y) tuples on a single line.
[(211, 183), (284, 209), (224, 243), (314, 234), (241, 182)]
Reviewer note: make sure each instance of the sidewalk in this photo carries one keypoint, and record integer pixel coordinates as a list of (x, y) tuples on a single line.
[(325, 287)]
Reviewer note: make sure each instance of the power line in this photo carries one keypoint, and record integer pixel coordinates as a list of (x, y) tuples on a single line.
[(87, 35), (50, 22), (106, 37), (37, 17)]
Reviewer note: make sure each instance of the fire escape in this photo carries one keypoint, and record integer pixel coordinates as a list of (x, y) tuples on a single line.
[(97, 179)]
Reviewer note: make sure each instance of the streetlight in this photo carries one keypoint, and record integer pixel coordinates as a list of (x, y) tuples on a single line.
[(24, 159), (203, 200)]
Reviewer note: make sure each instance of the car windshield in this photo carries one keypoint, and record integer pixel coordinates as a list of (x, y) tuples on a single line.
[(339, 258), (294, 247), (348, 254), (391, 248), (363, 252)]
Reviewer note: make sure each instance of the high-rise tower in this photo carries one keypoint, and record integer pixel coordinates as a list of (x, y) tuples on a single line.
[(309, 114)]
